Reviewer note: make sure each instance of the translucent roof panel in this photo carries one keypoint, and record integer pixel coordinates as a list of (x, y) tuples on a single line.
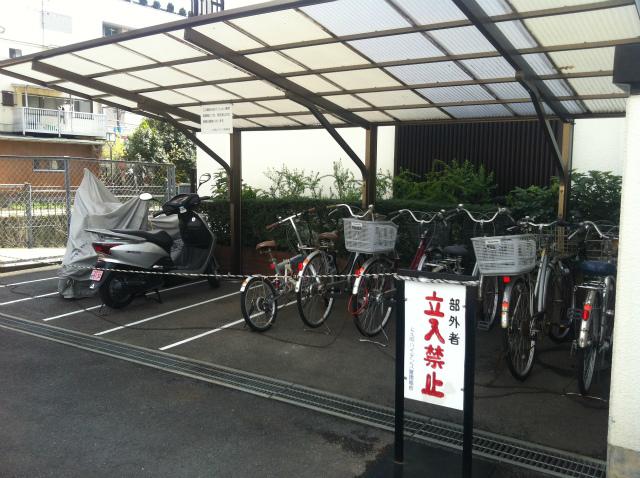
[(292, 27), (605, 106), (356, 16), (600, 25), (426, 12), (276, 62), (581, 61), (517, 34), (369, 78), (429, 73), (347, 101), (212, 70), (228, 36), (454, 94), (162, 48), (599, 85), (165, 76), (314, 83), (325, 56), (115, 56), (417, 114), (386, 60), (240, 123), (397, 47), (487, 68), (207, 93), (459, 41), (393, 98), (526, 109), (375, 116), (126, 81), (508, 91), (282, 106), (477, 111), (76, 64), (253, 89)]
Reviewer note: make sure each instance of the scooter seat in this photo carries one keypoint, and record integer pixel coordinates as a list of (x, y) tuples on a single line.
[(159, 238), (328, 236), (266, 245), (457, 250), (598, 268)]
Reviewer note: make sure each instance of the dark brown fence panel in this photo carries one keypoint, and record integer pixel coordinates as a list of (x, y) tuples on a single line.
[(515, 151)]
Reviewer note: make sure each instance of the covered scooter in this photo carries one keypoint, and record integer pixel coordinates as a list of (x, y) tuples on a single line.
[(126, 256)]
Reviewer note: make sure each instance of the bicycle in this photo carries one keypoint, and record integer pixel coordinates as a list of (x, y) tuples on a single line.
[(319, 282), (533, 268), (259, 295), (594, 320)]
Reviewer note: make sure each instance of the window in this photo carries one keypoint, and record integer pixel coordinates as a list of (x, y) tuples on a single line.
[(55, 102), (14, 52), (48, 165), (109, 29), (8, 99)]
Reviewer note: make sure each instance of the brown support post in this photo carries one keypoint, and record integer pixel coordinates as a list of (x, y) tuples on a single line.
[(235, 199), (371, 162), (566, 149)]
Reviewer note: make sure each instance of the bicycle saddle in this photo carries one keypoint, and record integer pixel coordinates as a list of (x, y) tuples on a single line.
[(328, 236), (458, 250), (266, 245), (598, 268)]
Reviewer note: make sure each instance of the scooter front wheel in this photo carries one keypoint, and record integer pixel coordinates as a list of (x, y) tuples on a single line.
[(259, 304), (115, 292)]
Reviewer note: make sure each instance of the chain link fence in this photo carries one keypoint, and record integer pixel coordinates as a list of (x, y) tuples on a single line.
[(37, 193)]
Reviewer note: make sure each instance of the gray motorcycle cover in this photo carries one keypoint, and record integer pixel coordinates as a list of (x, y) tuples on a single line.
[(94, 207)]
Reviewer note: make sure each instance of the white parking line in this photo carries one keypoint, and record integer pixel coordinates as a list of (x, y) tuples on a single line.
[(28, 281), (80, 311), (164, 314), (28, 298), (209, 332)]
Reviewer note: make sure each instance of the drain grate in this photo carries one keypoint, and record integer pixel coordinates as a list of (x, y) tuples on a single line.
[(420, 428)]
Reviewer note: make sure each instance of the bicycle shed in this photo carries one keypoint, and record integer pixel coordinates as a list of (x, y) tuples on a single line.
[(317, 63)]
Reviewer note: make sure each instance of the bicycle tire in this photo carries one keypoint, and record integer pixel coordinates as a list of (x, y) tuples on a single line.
[(519, 342), (313, 290), (559, 292), (372, 304), (587, 356), (259, 304), (490, 300)]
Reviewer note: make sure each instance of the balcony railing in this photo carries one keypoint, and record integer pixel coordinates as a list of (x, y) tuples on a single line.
[(72, 123)]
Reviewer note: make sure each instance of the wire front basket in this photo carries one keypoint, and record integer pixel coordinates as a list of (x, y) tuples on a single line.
[(505, 255), (557, 240), (369, 237)]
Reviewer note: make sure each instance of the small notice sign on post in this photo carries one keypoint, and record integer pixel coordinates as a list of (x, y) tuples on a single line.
[(434, 347), (216, 119)]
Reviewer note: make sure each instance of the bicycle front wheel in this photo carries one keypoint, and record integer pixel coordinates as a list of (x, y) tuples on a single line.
[(258, 301), (372, 303), (519, 337), (314, 292), (587, 356), (490, 300)]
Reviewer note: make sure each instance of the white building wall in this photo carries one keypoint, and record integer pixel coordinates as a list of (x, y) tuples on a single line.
[(311, 150), (598, 144)]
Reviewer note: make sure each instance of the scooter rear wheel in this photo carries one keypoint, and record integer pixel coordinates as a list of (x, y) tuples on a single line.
[(115, 292)]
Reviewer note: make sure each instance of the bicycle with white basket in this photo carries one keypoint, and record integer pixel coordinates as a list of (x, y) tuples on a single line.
[(366, 277), (537, 283)]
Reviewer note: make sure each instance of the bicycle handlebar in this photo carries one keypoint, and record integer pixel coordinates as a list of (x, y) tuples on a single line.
[(351, 213), (289, 218), (502, 210), (398, 213)]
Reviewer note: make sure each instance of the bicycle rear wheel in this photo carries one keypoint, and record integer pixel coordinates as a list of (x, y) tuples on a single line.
[(314, 292), (587, 356), (259, 305), (558, 301), (519, 338), (372, 303)]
